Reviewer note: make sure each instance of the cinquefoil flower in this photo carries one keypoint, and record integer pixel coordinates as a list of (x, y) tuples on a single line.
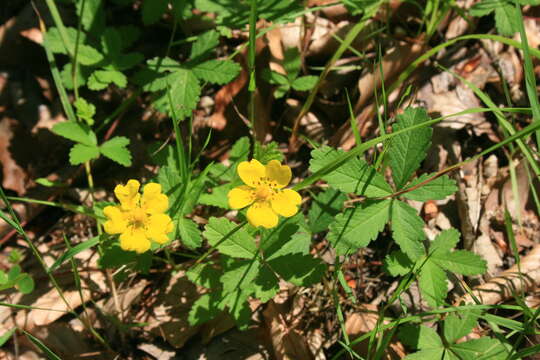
[(139, 219), (264, 192)]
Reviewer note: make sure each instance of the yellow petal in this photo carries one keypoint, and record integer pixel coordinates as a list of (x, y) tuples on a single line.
[(128, 194), (279, 174), (134, 239), (117, 222), (286, 202), (159, 225), (251, 172), (153, 201), (261, 214), (240, 197)]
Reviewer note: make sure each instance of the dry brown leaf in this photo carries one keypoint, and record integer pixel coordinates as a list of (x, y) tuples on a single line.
[(288, 343), (362, 322), (509, 282), (14, 177)]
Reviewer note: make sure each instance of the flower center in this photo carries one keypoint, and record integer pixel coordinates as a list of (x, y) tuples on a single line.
[(138, 217), (263, 193)]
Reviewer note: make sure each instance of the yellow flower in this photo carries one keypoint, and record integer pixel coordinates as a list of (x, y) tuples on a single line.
[(139, 219), (263, 191)]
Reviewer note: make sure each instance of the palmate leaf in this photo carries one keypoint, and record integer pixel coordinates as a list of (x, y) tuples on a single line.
[(456, 327), (408, 149), (437, 189), (76, 132), (397, 263), (419, 337), (480, 349), (325, 206), (189, 233), (80, 153), (100, 79), (239, 244), (116, 150), (205, 43), (407, 229), (355, 176), (184, 90), (355, 228), (432, 282), (462, 262)]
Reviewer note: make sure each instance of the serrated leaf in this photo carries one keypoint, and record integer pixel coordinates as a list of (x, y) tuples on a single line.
[(152, 10), (484, 7), (75, 131), (420, 337), (85, 110), (506, 19), (298, 269), (204, 309), (484, 348), (290, 238), (355, 228), (408, 149), (274, 78), (397, 263), (305, 83), (432, 282), (218, 196), (100, 79), (267, 152), (444, 242), (111, 43), (292, 62), (184, 91), (204, 274), (189, 232), (266, 284), (437, 189), (217, 71), (462, 262), (355, 176), (239, 275), (80, 153), (203, 45), (116, 150), (86, 55), (325, 206), (456, 327), (81, 75), (127, 61), (239, 244), (436, 353), (407, 229)]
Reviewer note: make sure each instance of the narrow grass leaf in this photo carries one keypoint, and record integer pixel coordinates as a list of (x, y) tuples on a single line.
[(72, 252), (48, 352)]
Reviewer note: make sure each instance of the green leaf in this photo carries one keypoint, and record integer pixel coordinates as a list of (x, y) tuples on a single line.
[(100, 79), (86, 55), (205, 43), (427, 354), (218, 196), (85, 110), (444, 242), (355, 176), (219, 233), (14, 272), (3, 277), (217, 71), (204, 309), (72, 252), (116, 150), (356, 227), (77, 132), (289, 238), (420, 337), (437, 189), (484, 7), (432, 282), (80, 153), (305, 83), (266, 284), (114, 256), (189, 232), (184, 91), (325, 206), (81, 75), (506, 19), (152, 10), (129, 34), (407, 229), (456, 327), (462, 262), (298, 269), (274, 78), (238, 275), (25, 284), (267, 152), (408, 149), (92, 18), (292, 62), (397, 263), (484, 348)]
